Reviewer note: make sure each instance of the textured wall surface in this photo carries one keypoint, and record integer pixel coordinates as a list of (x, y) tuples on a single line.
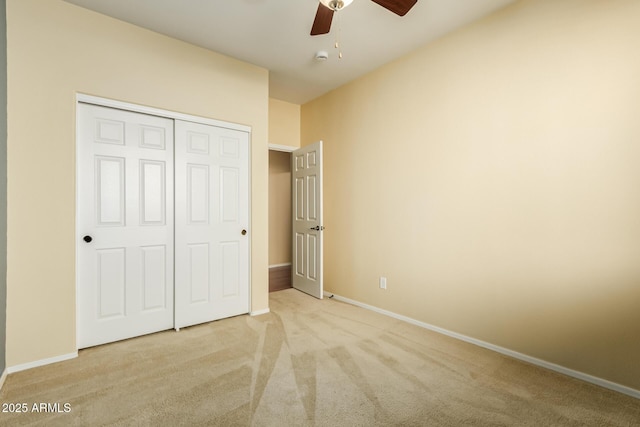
[(3, 185), (55, 51), (492, 178)]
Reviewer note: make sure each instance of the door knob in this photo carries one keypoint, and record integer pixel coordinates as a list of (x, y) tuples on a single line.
[(87, 239), (244, 232), (317, 228)]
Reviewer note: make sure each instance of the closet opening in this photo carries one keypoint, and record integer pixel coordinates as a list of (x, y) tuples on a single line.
[(280, 256)]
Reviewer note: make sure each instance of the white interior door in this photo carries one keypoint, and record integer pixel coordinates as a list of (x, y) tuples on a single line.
[(124, 224), (212, 223), (306, 172)]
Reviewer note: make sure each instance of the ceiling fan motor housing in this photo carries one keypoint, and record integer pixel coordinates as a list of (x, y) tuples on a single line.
[(335, 4), (326, 9)]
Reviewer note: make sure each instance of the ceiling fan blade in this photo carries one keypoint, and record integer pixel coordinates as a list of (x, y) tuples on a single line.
[(399, 7), (322, 22)]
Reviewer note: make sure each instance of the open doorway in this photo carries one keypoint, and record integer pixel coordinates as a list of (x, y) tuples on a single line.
[(279, 220)]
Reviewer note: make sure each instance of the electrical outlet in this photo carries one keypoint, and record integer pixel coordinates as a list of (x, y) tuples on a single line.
[(383, 282)]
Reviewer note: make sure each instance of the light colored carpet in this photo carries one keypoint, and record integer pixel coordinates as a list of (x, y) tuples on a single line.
[(308, 362)]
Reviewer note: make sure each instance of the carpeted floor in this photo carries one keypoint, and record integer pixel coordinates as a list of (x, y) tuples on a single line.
[(308, 362)]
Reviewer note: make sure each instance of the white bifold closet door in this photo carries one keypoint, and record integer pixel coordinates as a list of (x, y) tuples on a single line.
[(125, 224), (133, 278), (212, 216)]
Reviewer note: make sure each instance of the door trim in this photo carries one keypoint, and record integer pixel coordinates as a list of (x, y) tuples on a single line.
[(282, 148), (137, 108), (105, 102)]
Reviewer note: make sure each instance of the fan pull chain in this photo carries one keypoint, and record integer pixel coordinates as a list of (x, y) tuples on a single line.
[(337, 45)]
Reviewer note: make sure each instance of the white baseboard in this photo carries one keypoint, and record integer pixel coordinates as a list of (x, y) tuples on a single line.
[(533, 360), (259, 312), (42, 362), (3, 377)]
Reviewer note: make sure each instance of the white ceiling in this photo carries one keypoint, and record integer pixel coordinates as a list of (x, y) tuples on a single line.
[(274, 34)]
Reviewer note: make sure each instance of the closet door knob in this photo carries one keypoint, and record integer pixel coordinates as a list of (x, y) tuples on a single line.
[(87, 239), (244, 232)]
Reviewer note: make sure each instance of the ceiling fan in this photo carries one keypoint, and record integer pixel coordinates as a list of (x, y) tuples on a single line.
[(326, 8)]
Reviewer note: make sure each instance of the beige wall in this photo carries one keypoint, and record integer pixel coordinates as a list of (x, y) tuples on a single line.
[(279, 207), (493, 178), (284, 129), (56, 50), (284, 123)]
